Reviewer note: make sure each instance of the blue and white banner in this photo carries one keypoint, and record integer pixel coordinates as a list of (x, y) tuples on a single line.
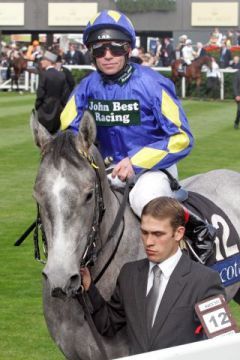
[(229, 269)]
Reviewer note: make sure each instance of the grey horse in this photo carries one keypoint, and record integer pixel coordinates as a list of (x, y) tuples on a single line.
[(65, 191)]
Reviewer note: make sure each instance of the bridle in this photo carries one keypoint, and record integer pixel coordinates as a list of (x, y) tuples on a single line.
[(91, 252)]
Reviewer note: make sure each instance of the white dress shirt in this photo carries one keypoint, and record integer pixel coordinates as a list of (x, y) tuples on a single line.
[(214, 72), (167, 267)]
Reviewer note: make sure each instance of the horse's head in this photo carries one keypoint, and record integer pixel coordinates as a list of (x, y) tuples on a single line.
[(206, 60), (175, 65), (65, 190)]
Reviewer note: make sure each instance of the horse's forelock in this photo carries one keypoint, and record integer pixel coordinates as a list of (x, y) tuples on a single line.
[(63, 146)]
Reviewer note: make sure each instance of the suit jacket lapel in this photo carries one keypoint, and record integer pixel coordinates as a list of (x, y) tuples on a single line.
[(173, 291), (140, 294)]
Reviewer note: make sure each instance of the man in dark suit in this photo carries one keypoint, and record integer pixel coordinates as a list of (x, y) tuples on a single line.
[(236, 91), (170, 319), (74, 56), (167, 52), (225, 56), (52, 93), (68, 74)]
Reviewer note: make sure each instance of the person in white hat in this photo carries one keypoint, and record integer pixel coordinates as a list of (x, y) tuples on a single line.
[(188, 53)]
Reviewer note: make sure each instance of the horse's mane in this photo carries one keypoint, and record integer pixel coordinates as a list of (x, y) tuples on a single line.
[(63, 146)]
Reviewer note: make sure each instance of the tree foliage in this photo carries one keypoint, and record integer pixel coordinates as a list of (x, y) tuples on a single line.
[(133, 6)]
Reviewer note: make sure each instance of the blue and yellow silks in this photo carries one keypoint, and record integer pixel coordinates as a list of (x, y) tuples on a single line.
[(141, 119)]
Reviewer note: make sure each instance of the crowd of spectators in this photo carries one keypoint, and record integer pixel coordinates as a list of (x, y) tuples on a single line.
[(76, 54), (163, 54)]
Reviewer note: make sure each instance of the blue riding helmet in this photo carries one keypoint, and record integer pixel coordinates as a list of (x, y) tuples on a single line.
[(109, 25)]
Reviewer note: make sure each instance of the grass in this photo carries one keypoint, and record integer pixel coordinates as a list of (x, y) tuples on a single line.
[(23, 332)]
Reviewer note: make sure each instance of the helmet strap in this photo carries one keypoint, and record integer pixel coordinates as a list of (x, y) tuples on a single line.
[(121, 77)]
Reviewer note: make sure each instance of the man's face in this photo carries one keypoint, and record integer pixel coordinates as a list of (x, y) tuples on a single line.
[(109, 63), (160, 240)]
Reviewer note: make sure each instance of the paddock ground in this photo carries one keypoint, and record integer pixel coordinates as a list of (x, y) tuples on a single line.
[(23, 332)]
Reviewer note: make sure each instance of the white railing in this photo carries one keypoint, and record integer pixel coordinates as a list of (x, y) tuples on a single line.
[(218, 348), (30, 82), (183, 80), (27, 81)]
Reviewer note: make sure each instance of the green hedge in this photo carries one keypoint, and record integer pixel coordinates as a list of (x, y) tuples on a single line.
[(78, 75), (130, 6), (228, 78)]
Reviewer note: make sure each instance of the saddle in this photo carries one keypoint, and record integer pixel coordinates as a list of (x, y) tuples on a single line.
[(226, 255), (208, 214)]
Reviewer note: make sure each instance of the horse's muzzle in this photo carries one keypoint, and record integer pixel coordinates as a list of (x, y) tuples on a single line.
[(62, 286), (58, 293)]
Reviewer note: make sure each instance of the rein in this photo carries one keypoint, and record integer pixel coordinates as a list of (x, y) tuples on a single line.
[(91, 254), (39, 228)]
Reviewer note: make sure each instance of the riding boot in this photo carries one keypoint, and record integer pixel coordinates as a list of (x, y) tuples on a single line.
[(201, 236)]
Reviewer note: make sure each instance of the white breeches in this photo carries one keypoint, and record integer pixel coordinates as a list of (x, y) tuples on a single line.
[(188, 61), (150, 185)]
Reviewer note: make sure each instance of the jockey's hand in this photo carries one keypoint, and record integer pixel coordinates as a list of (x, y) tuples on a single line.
[(86, 278), (237, 98), (123, 169)]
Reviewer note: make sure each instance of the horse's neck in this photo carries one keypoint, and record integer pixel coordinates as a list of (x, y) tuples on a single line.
[(112, 201), (202, 61)]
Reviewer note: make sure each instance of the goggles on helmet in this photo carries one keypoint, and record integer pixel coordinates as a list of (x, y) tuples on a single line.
[(98, 50)]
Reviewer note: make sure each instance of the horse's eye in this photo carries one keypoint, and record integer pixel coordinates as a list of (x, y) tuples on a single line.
[(89, 196)]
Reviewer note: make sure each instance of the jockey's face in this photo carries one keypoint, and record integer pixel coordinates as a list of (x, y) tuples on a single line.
[(110, 57), (159, 238)]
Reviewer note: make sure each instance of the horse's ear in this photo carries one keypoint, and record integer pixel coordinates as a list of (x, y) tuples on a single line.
[(40, 134), (87, 131)]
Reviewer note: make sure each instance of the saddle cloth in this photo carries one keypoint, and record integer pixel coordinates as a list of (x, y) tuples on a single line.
[(228, 250)]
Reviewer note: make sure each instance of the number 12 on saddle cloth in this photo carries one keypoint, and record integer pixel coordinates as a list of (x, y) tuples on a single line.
[(215, 317)]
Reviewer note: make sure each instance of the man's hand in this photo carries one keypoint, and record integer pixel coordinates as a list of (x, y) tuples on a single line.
[(86, 278), (237, 98), (123, 169)]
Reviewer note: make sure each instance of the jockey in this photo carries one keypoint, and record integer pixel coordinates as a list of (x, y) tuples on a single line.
[(34, 51), (140, 122), (23, 51), (13, 52), (188, 53), (182, 40)]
